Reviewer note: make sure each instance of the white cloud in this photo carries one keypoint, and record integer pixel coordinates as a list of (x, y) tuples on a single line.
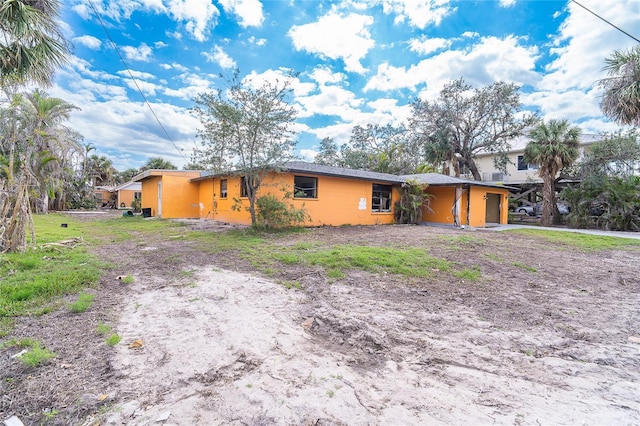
[(340, 133), (308, 154), (192, 85), (249, 11), (331, 101), (83, 67), (324, 75), (585, 41), (117, 10), (118, 124), (336, 37), (507, 3), (88, 41), (160, 44), (137, 74), (141, 53), (425, 45), (569, 89), (571, 104), (174, 66), (199, 15), (257, 41), (220, 57), (419, 13), (149, 89), (174, 34), (491, 59)]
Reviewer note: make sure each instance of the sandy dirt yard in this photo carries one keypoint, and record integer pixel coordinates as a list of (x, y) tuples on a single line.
[(548, 335)]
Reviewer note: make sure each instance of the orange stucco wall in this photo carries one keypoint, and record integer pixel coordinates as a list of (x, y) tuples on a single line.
[(340, 201), (150, 194), (125, 196), (443, 200), (179, 196)]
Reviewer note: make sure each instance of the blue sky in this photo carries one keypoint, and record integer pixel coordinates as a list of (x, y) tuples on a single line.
[(358, 61)]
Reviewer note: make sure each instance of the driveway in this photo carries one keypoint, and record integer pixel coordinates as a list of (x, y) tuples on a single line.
[(634, 235)]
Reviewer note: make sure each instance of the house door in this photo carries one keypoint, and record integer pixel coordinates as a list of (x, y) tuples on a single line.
[(159, 199), (492, 214)]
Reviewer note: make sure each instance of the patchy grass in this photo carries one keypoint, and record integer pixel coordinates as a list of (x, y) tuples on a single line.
[(335, 260), (128, 279), (113, 339), (244, 241), (82, 303), (468, 274), (103, 328), (35, 354), (585, 242), (524, 266), (32, 280)]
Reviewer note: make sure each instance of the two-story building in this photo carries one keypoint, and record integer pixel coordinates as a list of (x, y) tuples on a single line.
[(519, 172), (520, 175)]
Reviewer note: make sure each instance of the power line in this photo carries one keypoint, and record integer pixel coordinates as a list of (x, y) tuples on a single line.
[(600, 17), (146, 101)]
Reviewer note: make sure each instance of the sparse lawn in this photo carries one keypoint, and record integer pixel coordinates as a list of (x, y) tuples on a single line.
[(510, 280), (585, 242)]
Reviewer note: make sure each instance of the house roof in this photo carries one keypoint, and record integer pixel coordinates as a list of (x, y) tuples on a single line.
[(312, 168), (432, 179), (437, 179), (107, 188), (131, 185), (161, 172), (317, 169)]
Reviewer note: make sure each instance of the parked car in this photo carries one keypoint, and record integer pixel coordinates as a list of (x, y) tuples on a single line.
[(526, 209), (536, 209)]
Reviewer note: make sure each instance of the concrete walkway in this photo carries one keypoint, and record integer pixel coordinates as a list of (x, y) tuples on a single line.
[(496, 227)]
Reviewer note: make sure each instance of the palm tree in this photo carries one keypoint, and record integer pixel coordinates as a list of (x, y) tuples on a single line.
[(48, 143), (31, 44), (621, 98), (31, 48), (100, 170), (158, 163), (552, 147)]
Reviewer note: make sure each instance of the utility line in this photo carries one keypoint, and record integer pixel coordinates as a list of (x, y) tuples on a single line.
[(115, 47), (598, 16)]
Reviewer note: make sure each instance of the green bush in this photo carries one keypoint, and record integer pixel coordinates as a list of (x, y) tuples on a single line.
[(412, 199), (273, 213)]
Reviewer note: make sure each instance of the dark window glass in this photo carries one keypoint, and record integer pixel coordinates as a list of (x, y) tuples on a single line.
[(305, 187), (223, 188), (243, 187), (381, 198)]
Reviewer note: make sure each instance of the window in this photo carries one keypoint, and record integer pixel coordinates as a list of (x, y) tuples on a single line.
[(381, 198), (223, 188), (305, 187), (525, 166), (243, 187), (137, 195)]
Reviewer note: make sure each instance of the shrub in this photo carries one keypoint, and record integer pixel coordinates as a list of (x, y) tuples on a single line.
[(412, 200), (273, 213)]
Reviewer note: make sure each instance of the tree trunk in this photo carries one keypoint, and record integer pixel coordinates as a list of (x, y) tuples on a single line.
[(473, 168), (252, 208), (548, 201)]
